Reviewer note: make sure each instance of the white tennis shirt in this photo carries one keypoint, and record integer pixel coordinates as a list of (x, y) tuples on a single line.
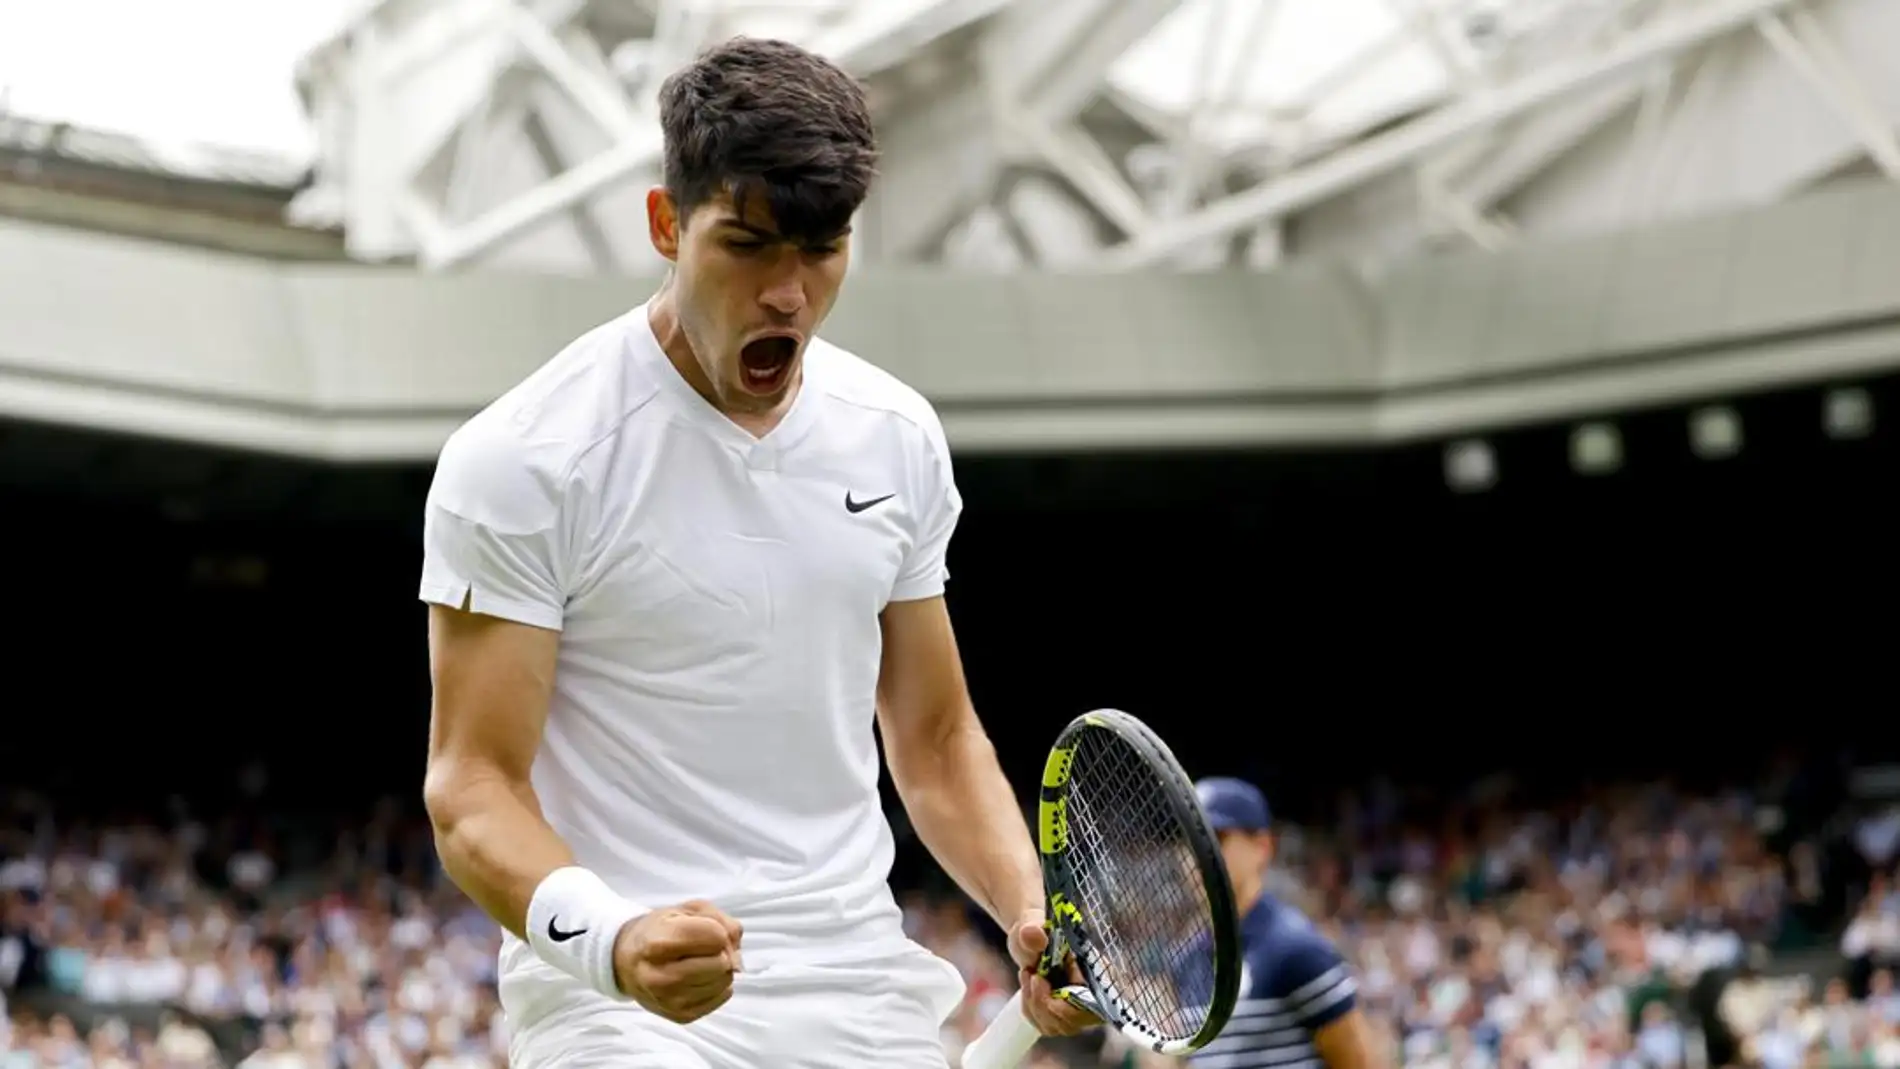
[(711, 732)]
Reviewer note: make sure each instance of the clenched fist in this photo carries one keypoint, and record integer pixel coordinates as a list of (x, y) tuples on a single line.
[(678, 961)]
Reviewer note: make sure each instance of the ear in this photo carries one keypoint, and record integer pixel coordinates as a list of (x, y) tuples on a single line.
[(663, 223)]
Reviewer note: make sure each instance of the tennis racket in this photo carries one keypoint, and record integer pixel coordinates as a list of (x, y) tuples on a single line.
[(1138, 896)]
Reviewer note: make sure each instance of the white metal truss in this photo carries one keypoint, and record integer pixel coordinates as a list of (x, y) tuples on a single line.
[(1476, 110), (1803, 41), (1116, 134), (421, 97)]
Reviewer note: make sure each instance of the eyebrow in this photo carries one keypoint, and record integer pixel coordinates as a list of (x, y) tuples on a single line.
[(744, 227), (766, 234)]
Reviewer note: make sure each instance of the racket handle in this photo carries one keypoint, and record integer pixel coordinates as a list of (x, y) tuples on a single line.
[(1006, 1042)]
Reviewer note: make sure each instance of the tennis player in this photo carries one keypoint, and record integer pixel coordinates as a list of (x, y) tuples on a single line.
[(675, 576), (1297, 1005)]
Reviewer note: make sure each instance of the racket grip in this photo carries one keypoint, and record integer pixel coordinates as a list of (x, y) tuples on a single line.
[(1006, 1042)]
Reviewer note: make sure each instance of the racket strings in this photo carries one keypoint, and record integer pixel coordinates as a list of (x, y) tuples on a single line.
[(1148, 922)]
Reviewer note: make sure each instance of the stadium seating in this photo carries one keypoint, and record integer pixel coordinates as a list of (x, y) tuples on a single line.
[(1629, 928)]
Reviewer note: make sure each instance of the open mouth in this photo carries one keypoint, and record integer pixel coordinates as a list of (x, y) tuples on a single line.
[(766, 363)]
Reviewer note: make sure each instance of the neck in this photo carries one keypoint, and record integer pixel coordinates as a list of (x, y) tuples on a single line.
[(1247, 892), (664, 317)]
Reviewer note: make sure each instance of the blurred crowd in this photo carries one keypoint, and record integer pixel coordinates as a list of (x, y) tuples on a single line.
[(1628, 930), (133, 947)]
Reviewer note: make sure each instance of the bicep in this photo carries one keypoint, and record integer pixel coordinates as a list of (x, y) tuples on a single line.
[(492, 680), (921, 692), (495, 573), (1346, 1042)]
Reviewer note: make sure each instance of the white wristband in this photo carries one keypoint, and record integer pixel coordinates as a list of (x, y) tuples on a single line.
[(574, 919)]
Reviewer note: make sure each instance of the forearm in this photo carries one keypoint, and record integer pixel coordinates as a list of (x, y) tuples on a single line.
[(967, 815), (494, 843)]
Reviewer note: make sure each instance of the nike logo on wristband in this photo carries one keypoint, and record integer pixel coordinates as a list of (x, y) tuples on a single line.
[(560, 936)]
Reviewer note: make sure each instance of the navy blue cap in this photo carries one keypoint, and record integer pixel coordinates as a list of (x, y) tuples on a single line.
[(1232, 804)]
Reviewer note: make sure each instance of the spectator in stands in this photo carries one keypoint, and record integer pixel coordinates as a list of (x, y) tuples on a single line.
[(1872, 939), (1877, 837), (1507, 939), (1882, 1000), (1749, 1004)]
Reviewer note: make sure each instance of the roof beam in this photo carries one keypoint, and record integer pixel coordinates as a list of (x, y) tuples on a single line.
[(1405, 145), (1542, 140), (1052, 57), (881, 37), (1046, 61), (1038, 65), (1803, 43)]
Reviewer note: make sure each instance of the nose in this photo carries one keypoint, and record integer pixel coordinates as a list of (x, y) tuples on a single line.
[(785, 294)]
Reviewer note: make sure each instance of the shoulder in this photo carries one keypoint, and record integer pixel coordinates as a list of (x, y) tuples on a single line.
[(1295, 959), (1306, 960), (855, 382), (509, 465), (491, 472)]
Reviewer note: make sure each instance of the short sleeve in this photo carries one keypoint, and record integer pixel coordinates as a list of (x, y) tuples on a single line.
[(926, 569), (492, 530), (1318, 983)]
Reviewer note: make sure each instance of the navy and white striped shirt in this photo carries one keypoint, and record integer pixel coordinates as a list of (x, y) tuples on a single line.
[(1292, 983)]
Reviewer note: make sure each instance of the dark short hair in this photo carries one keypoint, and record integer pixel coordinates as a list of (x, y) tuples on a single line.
[(754, 117)]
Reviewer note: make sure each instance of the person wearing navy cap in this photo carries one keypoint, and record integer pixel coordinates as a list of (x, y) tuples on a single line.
[(1298, 1006)]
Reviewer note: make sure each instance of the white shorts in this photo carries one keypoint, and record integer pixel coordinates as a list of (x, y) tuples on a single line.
[(886, 1012)]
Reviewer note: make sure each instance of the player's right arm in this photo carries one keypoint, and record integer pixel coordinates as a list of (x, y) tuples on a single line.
[(495, 577), (492, 679)]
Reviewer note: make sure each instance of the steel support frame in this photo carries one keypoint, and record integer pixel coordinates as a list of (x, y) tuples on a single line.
[(888, 33), (1803, 43), (1461, 205), (1350, 166), (1049, 58)]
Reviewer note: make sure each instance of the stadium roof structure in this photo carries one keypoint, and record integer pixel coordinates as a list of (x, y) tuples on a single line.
[(1115, 134), (133, 155), (226, 199)]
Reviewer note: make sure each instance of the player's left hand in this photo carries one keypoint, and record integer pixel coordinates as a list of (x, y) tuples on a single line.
[(1052, 1016)]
